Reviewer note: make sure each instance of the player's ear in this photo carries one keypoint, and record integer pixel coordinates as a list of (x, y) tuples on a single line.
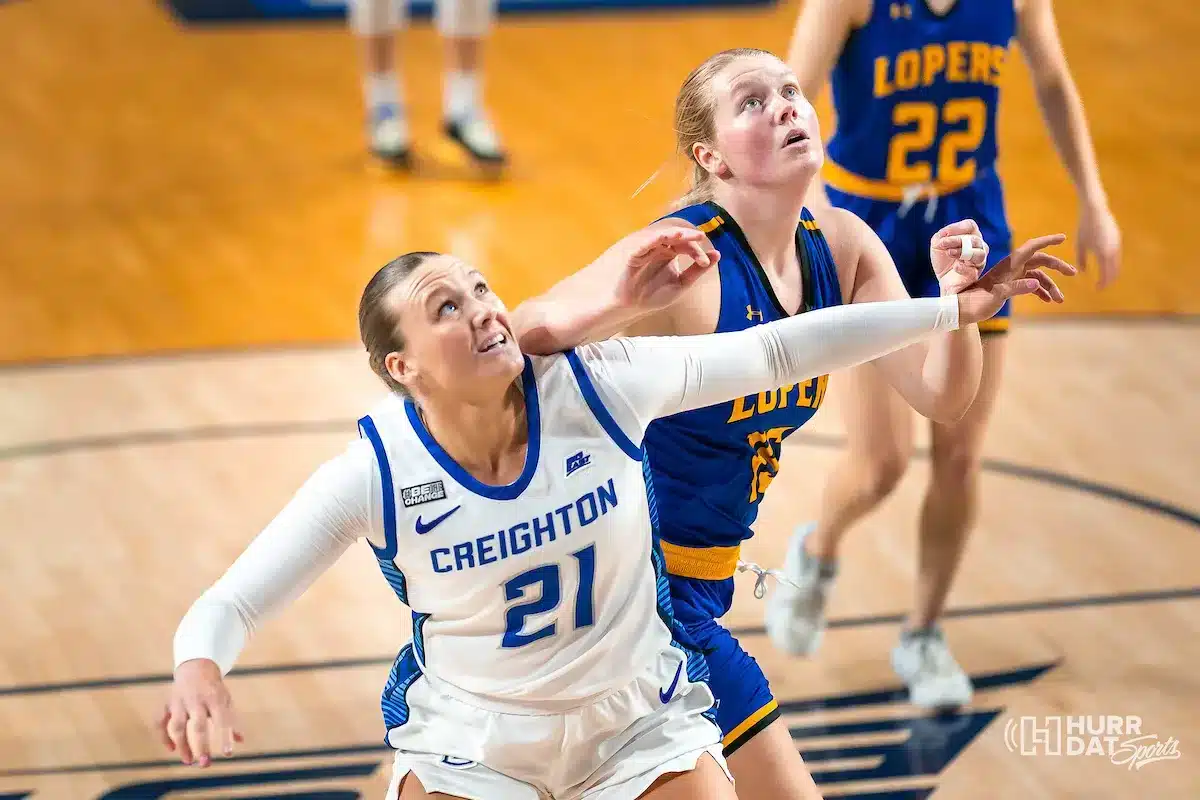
[(402, 368), (709, 159)]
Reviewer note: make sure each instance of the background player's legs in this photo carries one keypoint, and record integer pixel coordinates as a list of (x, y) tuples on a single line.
[(879, 431), (951, 500), (922, 657), (947, 515), (464, 24), (376, 23), (706, 782), (769, 766)]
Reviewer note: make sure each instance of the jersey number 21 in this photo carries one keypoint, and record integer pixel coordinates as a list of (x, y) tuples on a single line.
[(548, 577)]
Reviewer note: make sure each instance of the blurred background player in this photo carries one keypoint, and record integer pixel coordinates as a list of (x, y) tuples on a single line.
[(463, 25), (915, 90)]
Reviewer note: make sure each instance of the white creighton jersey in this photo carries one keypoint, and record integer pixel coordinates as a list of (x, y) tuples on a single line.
[(542, 594)]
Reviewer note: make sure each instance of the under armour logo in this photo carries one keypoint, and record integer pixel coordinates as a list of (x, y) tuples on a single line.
[(899, 10), (751, 314)]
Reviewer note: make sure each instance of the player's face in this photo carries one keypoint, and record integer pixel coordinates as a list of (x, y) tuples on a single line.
[(456, 333), (766, 131)]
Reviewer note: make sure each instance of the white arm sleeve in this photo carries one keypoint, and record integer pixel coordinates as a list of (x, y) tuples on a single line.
[(325, 516), (643, 378)]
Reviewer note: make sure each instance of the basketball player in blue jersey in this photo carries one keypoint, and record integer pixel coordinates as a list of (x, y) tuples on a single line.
[(504, 500), (753, 139), (916, 86)]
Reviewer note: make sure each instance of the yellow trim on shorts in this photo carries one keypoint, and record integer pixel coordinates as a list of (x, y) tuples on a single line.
[(846, 181), (749, 723), (994, 325), (703, 563)]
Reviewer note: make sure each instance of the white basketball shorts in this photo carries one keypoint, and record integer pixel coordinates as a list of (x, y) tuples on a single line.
[(611, 749)]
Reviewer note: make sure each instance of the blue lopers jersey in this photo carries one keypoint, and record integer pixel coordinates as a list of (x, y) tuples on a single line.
[(916, 96), (709, 468)]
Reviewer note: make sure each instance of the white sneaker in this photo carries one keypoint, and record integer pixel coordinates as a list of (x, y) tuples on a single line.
[(477, 136), (795, 615), (388, 133), (923, 661)]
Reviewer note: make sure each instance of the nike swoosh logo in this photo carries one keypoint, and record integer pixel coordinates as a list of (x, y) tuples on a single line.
[(666, 696), (426, 527)]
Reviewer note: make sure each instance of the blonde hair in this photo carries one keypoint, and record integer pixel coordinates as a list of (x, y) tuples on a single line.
[(376, 322), (695, 113)]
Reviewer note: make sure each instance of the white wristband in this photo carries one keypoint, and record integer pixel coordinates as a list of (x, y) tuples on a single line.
[(947, 318)]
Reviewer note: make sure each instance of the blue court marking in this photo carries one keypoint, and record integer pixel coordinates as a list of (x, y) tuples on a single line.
[(272, 429), (230, 432), (1087, 601), (895, 694)]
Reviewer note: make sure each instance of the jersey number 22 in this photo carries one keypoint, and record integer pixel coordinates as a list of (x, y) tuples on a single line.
[(925, 115)]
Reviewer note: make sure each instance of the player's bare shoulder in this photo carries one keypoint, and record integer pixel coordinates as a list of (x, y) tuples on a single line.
[(855, 13), (858, 11), (695, 310), (844, 232)]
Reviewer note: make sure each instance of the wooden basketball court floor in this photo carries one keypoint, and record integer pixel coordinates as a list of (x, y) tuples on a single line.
[(188, 220)]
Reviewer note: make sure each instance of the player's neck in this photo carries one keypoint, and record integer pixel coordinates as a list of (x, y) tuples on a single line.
[(487, 439), (769, 220)]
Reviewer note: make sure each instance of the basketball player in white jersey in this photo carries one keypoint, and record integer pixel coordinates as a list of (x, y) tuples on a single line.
[(504, 499), (463, 25)]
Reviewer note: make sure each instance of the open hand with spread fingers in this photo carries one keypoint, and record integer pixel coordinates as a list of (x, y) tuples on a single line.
[(959, 255), (664, 261), (1024, 271)]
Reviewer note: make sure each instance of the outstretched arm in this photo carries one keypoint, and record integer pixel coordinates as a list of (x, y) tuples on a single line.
[(940, 377), (644, 378), (639, 276), (325, 516), (1062, 108), (322, 520)]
